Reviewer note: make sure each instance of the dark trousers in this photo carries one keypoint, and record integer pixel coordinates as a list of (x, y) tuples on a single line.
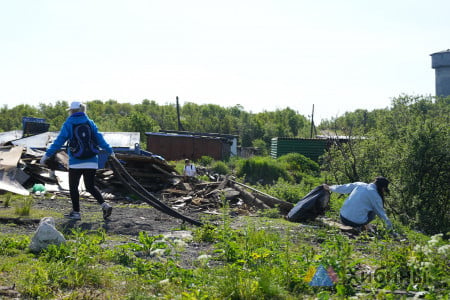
[(347, 222), (89, 182)]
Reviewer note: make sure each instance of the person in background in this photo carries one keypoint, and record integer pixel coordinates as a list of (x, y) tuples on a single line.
[(78, 167), (366, 200), (189, 169)]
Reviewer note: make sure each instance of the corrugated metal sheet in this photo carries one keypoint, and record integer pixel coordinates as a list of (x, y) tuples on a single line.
[(233, 139), (10, 136), (40, 141), (178, 146), (311, 148), (122, 139), (115, 139)]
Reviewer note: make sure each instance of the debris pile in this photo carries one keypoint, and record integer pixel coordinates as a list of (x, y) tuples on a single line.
[(210, 196), (20, 170)]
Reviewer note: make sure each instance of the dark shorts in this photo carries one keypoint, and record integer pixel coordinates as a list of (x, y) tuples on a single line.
[(347, 222)]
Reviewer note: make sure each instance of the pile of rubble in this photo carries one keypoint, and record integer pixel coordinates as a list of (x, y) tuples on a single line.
[(20, 171)]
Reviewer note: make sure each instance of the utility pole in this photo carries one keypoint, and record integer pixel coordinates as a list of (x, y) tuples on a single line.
[(312, 123), (180, 126)]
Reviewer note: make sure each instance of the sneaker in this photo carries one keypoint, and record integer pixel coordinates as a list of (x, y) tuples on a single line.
[(74, 215), (107, 210)]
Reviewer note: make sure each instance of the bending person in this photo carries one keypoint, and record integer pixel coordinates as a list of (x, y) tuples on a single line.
[(366, 200)]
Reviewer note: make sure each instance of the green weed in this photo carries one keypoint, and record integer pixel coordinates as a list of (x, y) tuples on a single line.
[(261, 259), (206, 233), (11, 245), (23, 208), (7, 199), (272, 213)]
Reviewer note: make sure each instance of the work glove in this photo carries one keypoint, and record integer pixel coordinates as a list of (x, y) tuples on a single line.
[(43, 159)]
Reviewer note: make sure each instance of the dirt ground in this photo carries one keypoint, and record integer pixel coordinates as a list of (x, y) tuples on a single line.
[(128, 217)]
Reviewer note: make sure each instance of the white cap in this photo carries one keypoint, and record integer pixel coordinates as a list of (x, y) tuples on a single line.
[(74, 105)]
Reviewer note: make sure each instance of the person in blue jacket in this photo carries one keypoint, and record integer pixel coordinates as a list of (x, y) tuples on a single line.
[(80, 167), (366, 200)]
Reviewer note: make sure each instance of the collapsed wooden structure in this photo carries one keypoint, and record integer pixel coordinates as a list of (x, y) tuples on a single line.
[(151, 179)]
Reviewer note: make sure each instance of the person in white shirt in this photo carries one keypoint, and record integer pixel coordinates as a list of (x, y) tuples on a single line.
[(366, 200), (189, 169)]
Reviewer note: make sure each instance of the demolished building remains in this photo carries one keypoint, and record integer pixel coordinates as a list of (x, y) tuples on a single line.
[(160, 185)]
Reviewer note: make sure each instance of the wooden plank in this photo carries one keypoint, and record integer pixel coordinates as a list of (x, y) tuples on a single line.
[(340, 226), (269, 200)]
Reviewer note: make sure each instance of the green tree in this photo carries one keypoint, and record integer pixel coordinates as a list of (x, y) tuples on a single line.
[(55, 115), (419, 158), (262, 145), (408, 144), (139, 122)]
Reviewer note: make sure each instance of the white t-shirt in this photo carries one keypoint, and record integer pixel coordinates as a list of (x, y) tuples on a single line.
[(189, 170)]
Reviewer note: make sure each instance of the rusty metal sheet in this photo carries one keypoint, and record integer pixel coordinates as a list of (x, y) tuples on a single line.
[(175, 147)]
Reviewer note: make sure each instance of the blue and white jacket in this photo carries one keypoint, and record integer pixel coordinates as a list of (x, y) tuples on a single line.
[(66, 133), (363, 198)]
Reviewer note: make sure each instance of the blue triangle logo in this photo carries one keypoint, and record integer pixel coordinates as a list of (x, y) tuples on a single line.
[(321, 278)]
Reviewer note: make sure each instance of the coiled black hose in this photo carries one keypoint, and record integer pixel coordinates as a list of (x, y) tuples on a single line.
[(145, 195)]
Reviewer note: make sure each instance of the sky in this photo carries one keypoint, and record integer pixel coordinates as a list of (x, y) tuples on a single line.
[(337, 56)]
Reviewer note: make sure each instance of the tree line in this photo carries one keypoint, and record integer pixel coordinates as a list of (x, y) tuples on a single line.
[(408, 142), (148, 116)]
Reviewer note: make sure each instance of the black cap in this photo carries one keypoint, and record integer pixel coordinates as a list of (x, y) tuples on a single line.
[(382, 182)]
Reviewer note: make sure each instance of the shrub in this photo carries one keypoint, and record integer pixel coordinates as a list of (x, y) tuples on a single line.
[(298, 163), (287, 191), (220, 167), (205, 160), (263, 170)]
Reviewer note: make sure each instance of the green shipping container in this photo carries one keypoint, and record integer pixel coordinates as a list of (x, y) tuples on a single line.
[(311, 148)]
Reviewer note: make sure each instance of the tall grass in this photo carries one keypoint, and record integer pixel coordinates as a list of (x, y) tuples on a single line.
[(23, 207), (7, 199), (260, 259)]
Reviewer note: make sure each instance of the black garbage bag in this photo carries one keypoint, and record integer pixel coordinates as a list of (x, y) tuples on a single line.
[(314, 204)]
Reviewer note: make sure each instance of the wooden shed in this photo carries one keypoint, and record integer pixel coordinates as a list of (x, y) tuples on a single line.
[(176, 146)]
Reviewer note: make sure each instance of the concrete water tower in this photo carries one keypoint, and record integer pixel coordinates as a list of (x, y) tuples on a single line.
[(440, 61)]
